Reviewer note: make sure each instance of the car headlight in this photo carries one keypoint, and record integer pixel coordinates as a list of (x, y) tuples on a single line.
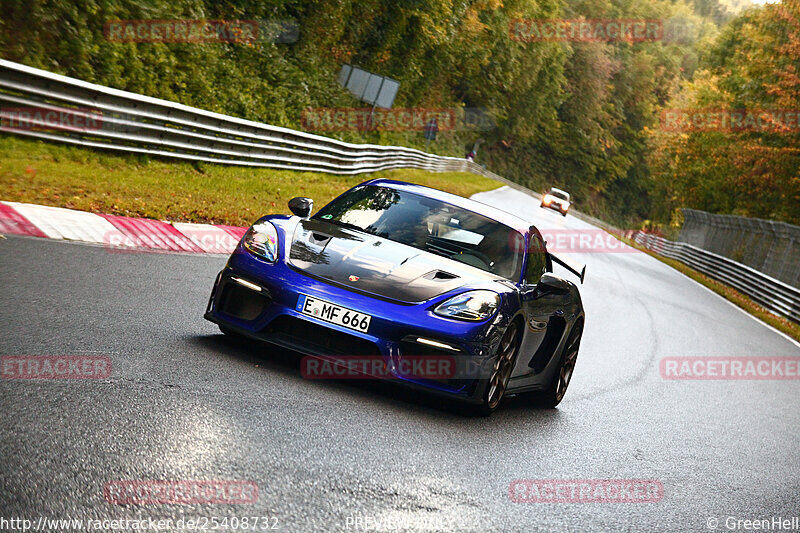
[(473, 305), (262, 240), (547, 199), (564, 205)]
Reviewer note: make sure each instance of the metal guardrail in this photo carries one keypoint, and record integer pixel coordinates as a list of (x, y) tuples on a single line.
[(768, 246), (774, 295), (134, 123)]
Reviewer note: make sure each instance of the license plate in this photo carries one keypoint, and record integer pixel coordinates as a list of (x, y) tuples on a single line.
[(335, 314)]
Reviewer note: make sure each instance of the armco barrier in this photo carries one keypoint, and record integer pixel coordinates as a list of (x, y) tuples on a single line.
[(768, 246), (134, 123), (774, 295)]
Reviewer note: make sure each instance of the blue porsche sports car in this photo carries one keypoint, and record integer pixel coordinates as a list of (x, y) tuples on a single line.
[(404, 274)]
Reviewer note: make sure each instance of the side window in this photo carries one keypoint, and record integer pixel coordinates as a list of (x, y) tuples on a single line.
[(537, 262)]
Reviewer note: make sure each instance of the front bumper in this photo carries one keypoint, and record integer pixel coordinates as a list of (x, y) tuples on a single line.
[(258, 299)]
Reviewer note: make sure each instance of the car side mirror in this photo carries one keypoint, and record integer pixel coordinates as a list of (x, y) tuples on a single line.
[(301, 206), (552, 284)]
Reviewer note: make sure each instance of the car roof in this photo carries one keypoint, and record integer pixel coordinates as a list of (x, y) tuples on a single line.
[(475, 206), (556, 189)]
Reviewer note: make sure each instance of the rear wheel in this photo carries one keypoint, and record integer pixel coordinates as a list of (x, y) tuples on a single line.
[(501, 371), (557, 388)]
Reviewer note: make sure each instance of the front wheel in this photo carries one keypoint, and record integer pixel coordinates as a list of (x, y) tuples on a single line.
[(557, 388), (501, 371)]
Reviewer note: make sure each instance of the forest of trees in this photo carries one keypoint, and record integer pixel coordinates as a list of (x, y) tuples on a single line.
[(585, 116)]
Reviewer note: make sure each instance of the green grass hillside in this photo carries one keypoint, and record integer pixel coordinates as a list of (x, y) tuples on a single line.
[(77, 178)]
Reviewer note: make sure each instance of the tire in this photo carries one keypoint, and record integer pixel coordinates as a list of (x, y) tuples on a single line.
[(552, 395), (497, 382)]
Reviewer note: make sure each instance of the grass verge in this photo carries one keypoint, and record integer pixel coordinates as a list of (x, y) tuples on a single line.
[(64, 176), (743, 301)]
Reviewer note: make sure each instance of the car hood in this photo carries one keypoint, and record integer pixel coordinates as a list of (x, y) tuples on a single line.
[(375, 265)]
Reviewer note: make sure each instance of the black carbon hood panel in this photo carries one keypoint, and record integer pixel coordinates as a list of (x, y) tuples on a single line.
[(376, 265)]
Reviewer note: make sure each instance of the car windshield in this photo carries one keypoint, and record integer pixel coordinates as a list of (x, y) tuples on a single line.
[(430, 225), (558, 193)]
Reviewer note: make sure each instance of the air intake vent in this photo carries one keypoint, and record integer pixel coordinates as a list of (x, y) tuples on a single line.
[(439, 275), (319, 238)]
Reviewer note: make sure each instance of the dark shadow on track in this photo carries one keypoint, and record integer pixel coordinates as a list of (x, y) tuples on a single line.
[(287, 363)]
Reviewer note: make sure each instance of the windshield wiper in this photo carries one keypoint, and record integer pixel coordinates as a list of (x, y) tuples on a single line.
[(438, 251)]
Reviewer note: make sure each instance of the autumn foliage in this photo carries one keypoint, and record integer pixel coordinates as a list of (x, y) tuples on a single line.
[(581, 114)]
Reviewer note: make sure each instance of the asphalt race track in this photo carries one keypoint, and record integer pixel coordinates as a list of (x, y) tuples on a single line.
[(185, 403)]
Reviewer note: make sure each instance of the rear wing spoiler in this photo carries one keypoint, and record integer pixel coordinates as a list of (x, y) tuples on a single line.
[(574, 267)]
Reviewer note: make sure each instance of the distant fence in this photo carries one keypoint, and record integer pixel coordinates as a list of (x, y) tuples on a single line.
[(770, 247), (40, 104), (774, 295)]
